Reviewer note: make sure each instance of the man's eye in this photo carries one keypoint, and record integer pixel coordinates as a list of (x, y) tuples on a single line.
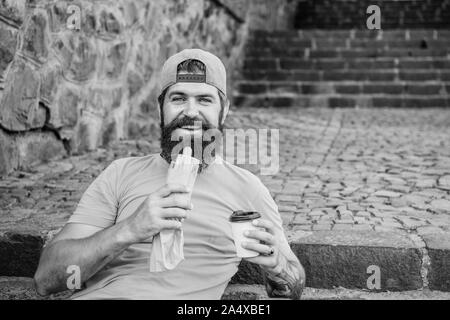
[(207, 100), (178, 99)]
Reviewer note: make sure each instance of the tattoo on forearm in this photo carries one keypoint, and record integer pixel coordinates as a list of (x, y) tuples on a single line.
[(289, 283)]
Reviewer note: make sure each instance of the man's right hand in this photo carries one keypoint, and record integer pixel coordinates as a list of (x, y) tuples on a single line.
[(159, 211)]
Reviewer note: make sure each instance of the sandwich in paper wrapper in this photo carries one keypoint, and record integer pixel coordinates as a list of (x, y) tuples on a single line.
[(167, 247)]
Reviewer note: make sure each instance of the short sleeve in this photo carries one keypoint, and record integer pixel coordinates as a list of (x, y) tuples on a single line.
[(99, 203)]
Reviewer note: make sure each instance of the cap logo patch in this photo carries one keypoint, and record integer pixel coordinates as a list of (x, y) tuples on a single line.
[(191, 78)]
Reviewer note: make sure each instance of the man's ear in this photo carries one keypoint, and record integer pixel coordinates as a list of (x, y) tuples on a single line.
[(160, 108), (225, 111), (159, 112)]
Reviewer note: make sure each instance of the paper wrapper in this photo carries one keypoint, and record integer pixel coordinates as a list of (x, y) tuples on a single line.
[(167, 250), (167, 247)]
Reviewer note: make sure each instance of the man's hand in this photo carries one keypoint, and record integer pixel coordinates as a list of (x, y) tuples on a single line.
[(268, 247), (284, 275), (161, 210)]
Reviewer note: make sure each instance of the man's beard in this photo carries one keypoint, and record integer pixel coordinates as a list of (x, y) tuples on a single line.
[(203, 146)]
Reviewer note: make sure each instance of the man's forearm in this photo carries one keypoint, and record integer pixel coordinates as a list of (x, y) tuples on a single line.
[(90, 254), (287, 280)]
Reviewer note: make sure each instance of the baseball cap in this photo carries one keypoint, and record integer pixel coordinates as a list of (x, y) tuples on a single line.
[(215, 73)]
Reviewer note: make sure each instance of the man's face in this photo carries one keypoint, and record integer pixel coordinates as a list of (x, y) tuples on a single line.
[(192, 116), (191, 102)]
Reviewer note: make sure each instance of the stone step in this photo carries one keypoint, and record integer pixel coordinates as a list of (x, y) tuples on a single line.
[(342, 87), (394, 14), (269, 63), (347, 75), (20, 288), (349, 33), (258, 292), (345, 43), (342, 101), (361, 23), (292, 52), (19, 253), (330, 258), (351, 259)]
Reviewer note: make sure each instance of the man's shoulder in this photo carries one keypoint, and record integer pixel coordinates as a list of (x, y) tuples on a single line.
[(235, 172), (128, 166), (135, 161)]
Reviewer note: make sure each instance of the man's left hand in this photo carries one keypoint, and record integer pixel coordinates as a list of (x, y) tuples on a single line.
[(268, 248)]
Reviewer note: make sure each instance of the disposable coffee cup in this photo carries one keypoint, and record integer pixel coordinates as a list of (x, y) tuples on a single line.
[(241, 221)]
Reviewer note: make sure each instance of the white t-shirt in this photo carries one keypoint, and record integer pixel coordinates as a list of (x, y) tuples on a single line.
[(209, 249)]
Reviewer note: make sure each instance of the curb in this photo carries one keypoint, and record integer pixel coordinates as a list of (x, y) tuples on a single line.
[(438, 245), (19, 254), (349, 259)]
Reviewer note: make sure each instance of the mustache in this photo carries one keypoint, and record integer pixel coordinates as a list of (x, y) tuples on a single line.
[(186, 121), (170, 142)]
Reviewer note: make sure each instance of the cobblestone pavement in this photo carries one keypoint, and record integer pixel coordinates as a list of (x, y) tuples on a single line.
[(340, 169), (240, 292), (20, 288), (367, 169)]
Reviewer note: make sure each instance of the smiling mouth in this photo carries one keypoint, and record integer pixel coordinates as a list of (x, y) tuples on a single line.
[(192, 128)]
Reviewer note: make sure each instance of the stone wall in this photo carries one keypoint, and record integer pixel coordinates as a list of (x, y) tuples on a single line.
[(272, 14), (66, 90)]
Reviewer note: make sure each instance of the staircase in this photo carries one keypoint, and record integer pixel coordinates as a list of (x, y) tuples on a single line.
[(347, 65)]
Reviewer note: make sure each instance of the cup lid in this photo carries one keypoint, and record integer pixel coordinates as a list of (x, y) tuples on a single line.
[(241, 215)]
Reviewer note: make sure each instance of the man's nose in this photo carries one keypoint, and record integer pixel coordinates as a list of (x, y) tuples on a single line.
[(191, 109)]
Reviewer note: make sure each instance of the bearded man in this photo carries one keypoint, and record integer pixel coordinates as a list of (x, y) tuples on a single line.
[(109, 236)]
